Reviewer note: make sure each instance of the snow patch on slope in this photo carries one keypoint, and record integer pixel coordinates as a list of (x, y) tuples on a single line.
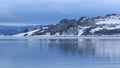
[(107, 27), (27, 33), (109, 22), (80, 32), (96, 29)]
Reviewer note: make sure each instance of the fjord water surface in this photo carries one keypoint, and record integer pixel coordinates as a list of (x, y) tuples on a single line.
[(60, 53)]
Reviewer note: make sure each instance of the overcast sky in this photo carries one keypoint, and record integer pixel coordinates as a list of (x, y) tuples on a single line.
[(52, 11)]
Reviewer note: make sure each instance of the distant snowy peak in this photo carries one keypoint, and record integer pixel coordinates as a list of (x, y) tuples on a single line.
[(11, 30)]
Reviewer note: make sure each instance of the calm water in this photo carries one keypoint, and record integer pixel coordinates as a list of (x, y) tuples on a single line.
[(70, 53)]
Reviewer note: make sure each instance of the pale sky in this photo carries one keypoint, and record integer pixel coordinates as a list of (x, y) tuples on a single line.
[(52, 11)]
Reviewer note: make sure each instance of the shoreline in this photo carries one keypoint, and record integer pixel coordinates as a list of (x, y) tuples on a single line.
[(59, 37)]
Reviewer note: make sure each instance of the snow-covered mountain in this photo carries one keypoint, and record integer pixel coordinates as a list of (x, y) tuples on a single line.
[(101, 25), (11, 30)]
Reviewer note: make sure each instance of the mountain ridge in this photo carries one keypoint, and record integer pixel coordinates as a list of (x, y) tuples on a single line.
[(100, 25)]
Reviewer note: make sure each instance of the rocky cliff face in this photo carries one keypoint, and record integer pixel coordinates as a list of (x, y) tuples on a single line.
[(106, 25)]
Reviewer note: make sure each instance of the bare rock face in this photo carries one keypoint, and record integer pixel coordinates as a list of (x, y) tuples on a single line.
[(65, 25), (86, 21)]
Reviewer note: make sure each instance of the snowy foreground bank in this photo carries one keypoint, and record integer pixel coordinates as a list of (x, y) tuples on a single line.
[(60, 37)]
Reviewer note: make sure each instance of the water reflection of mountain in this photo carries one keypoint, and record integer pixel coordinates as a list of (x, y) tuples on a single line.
[(87, 47), (84, 47), (102, 48)]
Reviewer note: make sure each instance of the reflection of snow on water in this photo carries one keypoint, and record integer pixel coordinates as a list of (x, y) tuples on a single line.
[(108, 48)]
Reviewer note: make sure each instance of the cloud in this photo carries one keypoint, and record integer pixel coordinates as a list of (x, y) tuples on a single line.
[(54, 10), (43, 5)]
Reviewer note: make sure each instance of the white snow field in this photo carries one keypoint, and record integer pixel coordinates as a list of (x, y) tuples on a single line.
[(109, 22)]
